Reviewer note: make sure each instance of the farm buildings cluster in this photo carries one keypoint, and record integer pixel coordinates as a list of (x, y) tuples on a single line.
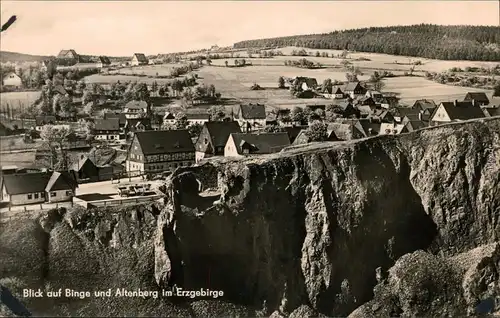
[(81, 133)]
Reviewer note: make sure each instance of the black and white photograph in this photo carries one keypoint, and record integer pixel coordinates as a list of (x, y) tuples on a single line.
[(279, 159)]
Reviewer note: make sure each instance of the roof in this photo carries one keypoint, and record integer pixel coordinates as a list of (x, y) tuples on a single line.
[(462, 110), (60, 181), (393, 128), (164, 141), (369, 126), (407, 111), (134, 122), (112, 124), (136, 104), (477, 96), (261, 143), (104, 60), (425, 104), (78, 165), (364, 109), (64, 53), (26, 183), (351, 86), (491, 111), (219, 131), (294, 131), (310, 81), (197, 116), (415, 124), (45, 120), (252, 111), (120, 116), (140, 57), (11, 73)]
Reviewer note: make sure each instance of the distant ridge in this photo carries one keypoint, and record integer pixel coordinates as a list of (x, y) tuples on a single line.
[(461, 42), (13, 57)]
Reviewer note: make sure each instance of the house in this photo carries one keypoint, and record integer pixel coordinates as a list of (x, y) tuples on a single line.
[(409, 113), (354, 89), (11, 79), (121, 116), (491, 111), (5, 129), (293, 132), (424, 104), (136, 109), (31, 188), (388, 102), (365, 111), (85, 170), (346, 131), (139, 59), (251, 117), (374, 94), (197, 118), (306, 83), (368, 127), (213, 138), (303, 138), (382, 115), (44, 120), (456, 111), (107, 129), (392, 129), (103, 61), (169, 119), (366, 101), (413, 125), (245, 144), (133, 125), (68, 54), (333, 92), (348, 109), (479, 98), (60, 187), (159, 150)]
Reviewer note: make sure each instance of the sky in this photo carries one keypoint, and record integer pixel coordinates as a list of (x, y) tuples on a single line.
[(121, 28)]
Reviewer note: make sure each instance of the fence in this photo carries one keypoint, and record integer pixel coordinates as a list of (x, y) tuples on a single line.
[(117, 202)]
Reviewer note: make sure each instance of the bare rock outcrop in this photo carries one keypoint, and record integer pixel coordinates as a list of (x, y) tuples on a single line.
[(310, 226)]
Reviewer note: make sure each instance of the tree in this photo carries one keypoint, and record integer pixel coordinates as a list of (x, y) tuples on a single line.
[(154, 87), (55, 139), (320, 113), (181, 121), (496, 90), (217, 113), (317, 131), (141, 92), (274, 129), (378, 85), (195, 130), (298, 115), (281, 82), (88, 108)]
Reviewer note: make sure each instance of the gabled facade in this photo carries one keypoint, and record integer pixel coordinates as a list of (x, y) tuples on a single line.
[(11, 79), (456, 111), (213, 138), (197, 118), (477, 98), (354, 89), (136, 109), (251, 117), (156, 151), (107, 129), (139, 59), (247, 144)]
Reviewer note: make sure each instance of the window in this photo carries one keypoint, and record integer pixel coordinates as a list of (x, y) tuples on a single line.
[(52, 194), (29, 196), (36, 195), (69, 193)]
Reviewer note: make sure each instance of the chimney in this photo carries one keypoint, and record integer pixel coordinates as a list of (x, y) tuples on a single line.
[(455, 103), (419, 116), (474, 103)]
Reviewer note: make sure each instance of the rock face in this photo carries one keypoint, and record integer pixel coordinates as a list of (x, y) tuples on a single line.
[(403, 225), (308, 228)]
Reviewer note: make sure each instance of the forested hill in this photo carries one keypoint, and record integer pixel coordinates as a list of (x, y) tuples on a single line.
[(430, 41), (20, 57)]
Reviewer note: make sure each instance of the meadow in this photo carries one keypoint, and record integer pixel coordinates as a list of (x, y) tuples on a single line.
[(412, 88), (18, 99), (109, 79), (147, 70)]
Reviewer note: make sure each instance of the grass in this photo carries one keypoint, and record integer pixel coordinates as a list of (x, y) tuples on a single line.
[(109, 79), (20, 159), (148, 70), (413, 88), (18, 99)]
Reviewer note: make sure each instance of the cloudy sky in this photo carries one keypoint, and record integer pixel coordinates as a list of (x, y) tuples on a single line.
[(123, 27)]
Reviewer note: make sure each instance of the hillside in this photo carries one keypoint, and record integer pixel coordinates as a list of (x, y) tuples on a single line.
[(481, 43), (20, 57), (401, 225)]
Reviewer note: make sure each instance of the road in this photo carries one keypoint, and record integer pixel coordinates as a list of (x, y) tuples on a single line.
[(105, 187)]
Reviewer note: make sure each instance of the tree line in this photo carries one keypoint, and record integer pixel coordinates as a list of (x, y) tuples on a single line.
[(425, 40)]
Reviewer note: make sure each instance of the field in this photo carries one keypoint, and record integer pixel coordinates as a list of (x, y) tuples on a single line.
[(18, 99), (148, 70), (413, 88), (377, 61)]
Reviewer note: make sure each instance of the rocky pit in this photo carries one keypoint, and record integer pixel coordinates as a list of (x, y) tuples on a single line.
[(403, 225)]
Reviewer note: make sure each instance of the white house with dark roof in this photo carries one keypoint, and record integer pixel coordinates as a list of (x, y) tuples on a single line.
[(213, 138), (136, 109), (456, 111), (246, 144), (197, 118), (11, 79), (31, 188), (139, 59), (477, 98), (107, 129), (251, 117)]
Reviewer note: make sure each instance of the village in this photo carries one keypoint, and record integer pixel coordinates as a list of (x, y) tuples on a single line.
[(97, 144)]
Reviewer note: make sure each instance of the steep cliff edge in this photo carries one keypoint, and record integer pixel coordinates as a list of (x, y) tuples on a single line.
[(310, 226)]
